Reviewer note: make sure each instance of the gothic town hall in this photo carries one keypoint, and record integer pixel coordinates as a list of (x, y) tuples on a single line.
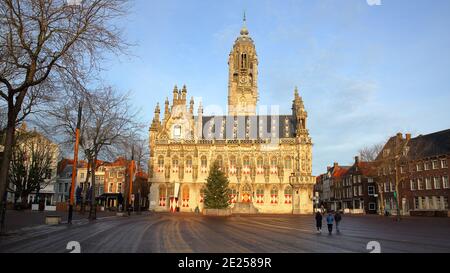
[(267, 158)]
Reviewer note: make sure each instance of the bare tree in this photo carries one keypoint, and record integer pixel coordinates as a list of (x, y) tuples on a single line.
[(44, 43), (31, 165), (107, 119), (370, 153)]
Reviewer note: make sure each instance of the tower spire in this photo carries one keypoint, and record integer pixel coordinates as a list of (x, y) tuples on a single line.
[(244, 30)]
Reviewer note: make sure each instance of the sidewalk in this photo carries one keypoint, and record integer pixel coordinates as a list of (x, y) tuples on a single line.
[(16, 220)]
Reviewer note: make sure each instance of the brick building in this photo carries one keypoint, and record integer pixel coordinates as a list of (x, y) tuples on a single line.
[(413, 174)]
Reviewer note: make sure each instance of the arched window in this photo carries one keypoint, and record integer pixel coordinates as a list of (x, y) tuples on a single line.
[(243, 60), (246, 194), (273, 165), (219, 161), (204, 161), (273, 162), (233, 195), (162, 196), (259, 162), (260, 195), (246, 165), (175, 164), (274, 195), (232, 161), (246, 161), (288, 195), (203, 164), (160, 164), (189, 162), (288, 163)]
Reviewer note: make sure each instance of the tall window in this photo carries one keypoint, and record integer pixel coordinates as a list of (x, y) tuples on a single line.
[(259, 162), (162, 196), (110, 188), (204, 162), (437, 182), (288, 163), (413, 185), (161, 162), (435, 164), (420, 185), (428, 183), (274, 195), (260, 195), (219, 161), (419, 167), (445, 182), (175, 164), (233, 161), (288, 195), (273, 162), (371, 190), (119, 187), (427, 166), (185, 197), (444, 163), (189, 162), (246, 162)]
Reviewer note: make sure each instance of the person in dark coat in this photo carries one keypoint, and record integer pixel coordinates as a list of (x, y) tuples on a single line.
[(319, 222), (337, 219)]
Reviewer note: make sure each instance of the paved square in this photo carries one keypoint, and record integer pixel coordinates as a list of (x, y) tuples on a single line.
[(164, 233)]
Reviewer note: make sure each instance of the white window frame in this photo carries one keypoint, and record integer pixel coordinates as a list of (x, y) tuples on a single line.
[(369, 190), (428, 185), (372, 206), (435, 164), (445, 182)]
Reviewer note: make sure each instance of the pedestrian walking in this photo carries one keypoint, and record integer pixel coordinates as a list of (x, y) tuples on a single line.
[(330, 220), (319, 222), (337, 219)]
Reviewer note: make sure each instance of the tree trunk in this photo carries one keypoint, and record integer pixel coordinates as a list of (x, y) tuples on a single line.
[(4, 167), (93, 207), (85, 190), (7, 154)]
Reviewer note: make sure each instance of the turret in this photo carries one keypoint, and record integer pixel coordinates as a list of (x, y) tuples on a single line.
[(166, 109), (191, 106), (299, 112), (175, 96), (199, 133), (156, 122)]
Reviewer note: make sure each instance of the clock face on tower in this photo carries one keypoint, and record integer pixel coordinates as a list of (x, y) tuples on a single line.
[(244, 80)]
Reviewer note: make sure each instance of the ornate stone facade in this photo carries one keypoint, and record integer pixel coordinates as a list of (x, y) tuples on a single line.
[(268, 158)]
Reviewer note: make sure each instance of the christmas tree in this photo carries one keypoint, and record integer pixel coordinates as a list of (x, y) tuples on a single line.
[(217, 194)]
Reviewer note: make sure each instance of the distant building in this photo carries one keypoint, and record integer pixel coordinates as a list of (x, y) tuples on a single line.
[(31, 145), (351, 189), (413, 174)]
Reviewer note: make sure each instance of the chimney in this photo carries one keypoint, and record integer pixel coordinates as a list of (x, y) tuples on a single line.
[(356, 159), (335, 164), (399, 136), (408, 137)]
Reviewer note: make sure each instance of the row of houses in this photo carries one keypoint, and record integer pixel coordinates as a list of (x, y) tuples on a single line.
[(410, 176), (110, 181), (110, 178)]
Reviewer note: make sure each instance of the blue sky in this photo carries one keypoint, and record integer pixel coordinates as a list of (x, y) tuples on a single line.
[(365, 72)]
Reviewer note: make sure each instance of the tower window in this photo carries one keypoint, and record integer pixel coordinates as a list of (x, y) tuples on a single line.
[(243, 60)]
